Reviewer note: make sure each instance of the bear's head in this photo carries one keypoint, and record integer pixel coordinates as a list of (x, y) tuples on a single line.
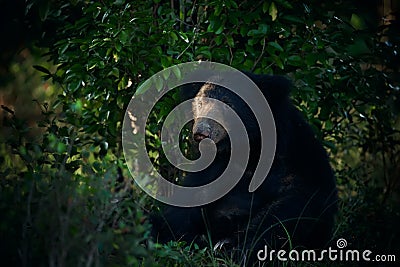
[(274, 88)]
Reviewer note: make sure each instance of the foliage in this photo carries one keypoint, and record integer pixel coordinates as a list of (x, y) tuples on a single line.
[(64, 210), (59, 190)]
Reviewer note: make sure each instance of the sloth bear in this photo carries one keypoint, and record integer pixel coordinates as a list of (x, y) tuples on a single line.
[(295, 205)]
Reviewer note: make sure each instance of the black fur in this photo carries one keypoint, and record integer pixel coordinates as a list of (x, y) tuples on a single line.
[(298, 196)]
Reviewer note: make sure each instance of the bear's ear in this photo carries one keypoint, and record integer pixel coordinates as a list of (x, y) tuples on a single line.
[(275, 88)]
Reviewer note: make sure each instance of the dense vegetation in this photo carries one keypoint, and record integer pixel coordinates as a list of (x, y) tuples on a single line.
[(60, 202)]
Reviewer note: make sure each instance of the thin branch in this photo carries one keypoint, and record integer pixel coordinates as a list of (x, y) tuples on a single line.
[(261, 55)]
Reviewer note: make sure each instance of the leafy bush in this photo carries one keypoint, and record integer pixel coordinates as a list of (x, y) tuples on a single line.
[(58, 192)]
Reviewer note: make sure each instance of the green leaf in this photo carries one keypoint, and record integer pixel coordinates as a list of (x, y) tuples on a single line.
[(218, 39), (123, 37), (229, 41), (78, 106), (215, 24), (63, 48), (231, 3), (357, 22), (44, 7), (276, 46), (285, 4), (279, 63), (122, 83), (205, 50), (273, 11), (233, 18), (252, 41), (184, 37), (119, 2), (166, 74), (220, 29), (265, 6), (118, 46), (73, 86), (294, 60), (42, 69), (159, 82), (218, 10), (311, 59), (173, 36), (114, 72), (293, 19), (358, 48), (263, 28), (328, 125), (329, 144), (253, 32), (244, 30), (144, 87), (177, 72), (166, 61), (61, 147)]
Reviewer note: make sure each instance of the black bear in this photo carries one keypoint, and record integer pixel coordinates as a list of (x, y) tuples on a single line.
[(295, 205)]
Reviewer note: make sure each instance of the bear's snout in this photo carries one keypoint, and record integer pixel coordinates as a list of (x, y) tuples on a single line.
[(206, 128), (201, 130)]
